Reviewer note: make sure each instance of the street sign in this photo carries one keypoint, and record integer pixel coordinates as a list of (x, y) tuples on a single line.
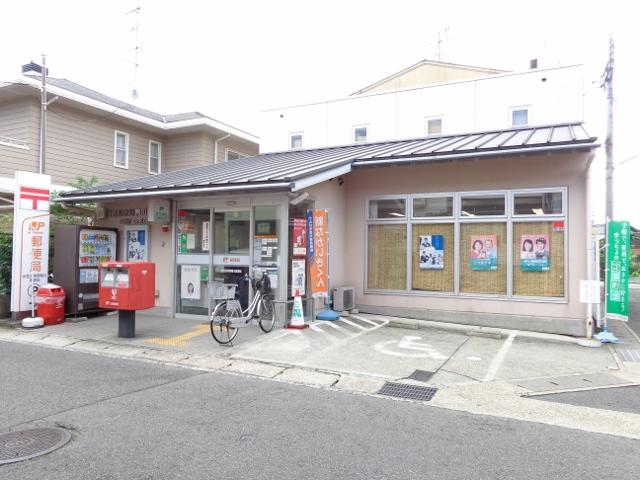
[(30, 238), (589, 291), (617, 274)]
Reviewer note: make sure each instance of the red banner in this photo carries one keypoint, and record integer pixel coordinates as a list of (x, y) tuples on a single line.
[(318, 261), (299, 237)]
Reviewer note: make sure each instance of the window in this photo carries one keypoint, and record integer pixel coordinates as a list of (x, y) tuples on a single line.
[(295, 140), (155, 149), (489, 205), (519, 116), (360, 133), (509, 243), (433, 125), (548, 203), (232, 155), (387, 257), (433, 207), (388, 208), (121, 150)]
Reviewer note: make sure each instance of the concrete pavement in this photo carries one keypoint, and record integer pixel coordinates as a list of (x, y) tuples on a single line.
[(489, 374)]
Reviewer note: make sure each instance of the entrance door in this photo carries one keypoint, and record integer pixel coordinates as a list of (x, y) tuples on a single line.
[(231, 240), (192, 259)]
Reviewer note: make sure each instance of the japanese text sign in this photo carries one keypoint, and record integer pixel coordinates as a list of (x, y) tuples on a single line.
[(319, 254), (618, 252), (30, 238)]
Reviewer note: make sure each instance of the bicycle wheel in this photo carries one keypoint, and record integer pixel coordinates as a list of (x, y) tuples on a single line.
[(267, 314), (221, 331)]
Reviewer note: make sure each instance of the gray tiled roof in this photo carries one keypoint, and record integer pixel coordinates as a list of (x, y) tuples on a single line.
[(94, 95), (289, 167)]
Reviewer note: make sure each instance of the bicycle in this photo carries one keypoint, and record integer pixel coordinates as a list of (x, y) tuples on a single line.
[(227, 316)]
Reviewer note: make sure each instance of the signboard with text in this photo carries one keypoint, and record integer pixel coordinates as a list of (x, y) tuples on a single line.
[(319, 254), (30, 266), (618, 252)]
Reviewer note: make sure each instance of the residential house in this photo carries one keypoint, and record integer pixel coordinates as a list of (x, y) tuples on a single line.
[(89, 133)]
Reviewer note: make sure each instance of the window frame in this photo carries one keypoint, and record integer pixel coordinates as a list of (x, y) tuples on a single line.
[(388, 197), (427, 119), (126, 149), (518, 108), (353, 131), (508, 219), (530, 191), (226, 154), (295, 134), (159, 144)]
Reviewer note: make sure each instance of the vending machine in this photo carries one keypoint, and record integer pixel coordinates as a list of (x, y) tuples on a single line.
[(78, 252)]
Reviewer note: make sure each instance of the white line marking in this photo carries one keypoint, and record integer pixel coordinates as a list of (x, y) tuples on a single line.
[(499, 358), (375, 324), (337, 327), (362, 319), (353, 324), (316, 328)]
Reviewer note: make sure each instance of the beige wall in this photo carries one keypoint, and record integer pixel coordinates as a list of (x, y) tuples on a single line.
[(485, 174), (19, 120), (81, 144), (428, 75), (186, 150), (160, 251), (332, 196), (238, 145)]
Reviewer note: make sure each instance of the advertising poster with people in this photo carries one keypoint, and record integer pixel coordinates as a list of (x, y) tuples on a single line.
[(534, 253), (190, 282), (484, 252), (136, 245), (431, 252)]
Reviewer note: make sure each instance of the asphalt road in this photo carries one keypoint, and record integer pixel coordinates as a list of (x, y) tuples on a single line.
[(135, 420)]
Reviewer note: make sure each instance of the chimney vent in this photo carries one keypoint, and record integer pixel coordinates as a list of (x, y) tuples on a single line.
[(533, 63)]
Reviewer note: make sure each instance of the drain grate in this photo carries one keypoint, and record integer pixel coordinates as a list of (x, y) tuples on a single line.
[(24, 444), (421, 375), (408, 391), (628, 355)]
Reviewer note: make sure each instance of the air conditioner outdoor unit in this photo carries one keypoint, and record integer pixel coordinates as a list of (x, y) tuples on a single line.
[(344, 298)]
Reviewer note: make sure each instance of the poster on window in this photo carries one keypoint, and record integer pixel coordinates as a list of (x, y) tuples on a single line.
[(299, 237), (190, 282), (137, 245), (534, 253), (484, 252), (431, 250), (298, 277)]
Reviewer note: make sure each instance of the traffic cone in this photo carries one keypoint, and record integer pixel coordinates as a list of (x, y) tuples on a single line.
[(297, 313)]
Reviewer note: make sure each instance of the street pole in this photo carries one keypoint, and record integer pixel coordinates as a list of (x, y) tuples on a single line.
[(43, 113), (608, 144)]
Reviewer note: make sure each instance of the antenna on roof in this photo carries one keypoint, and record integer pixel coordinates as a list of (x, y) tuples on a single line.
[(136, 51), (446, 30)]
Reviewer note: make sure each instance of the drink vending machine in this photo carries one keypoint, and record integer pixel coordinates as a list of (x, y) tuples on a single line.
[(79, 251)]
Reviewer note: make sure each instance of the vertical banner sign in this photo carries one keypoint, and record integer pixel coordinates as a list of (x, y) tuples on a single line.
[(30, 238), (318, 255), (618, 251)]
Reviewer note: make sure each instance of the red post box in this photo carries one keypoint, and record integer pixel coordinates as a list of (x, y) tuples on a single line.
[(127, 287)]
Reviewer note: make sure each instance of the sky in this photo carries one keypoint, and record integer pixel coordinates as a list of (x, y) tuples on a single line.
[(231, 60)]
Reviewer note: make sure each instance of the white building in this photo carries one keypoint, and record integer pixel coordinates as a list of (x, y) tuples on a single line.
[(490, 101)]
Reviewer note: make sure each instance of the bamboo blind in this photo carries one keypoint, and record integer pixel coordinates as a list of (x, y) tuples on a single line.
[(387, 257), (539, 284), (433, 280), (483, 281)]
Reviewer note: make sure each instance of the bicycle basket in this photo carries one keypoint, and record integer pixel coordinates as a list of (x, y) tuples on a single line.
[(225, 291), (264, 284)]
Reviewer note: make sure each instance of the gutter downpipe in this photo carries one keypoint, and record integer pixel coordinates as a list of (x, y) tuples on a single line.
[(591, 251), (215, 147)]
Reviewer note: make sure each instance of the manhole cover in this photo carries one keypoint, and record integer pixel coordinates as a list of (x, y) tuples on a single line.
[(24, 444), (408, 391), (421, 375)]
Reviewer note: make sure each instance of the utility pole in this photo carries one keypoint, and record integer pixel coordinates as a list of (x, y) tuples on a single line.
[(607, 84), (43, 113)]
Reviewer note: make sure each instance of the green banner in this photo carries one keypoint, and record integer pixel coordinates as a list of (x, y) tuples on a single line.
[(618, 255), (183, 243)]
